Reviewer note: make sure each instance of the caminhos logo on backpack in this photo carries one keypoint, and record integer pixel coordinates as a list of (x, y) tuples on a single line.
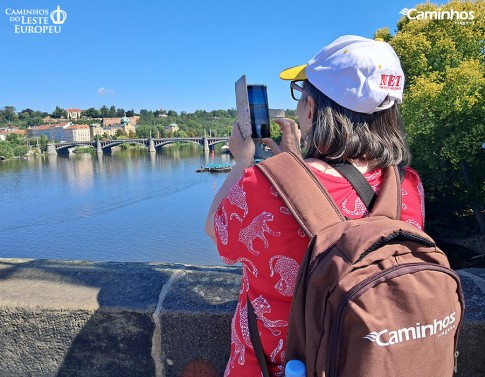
[(386, 338)]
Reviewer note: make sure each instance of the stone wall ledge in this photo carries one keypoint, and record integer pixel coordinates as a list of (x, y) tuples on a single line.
[(79, 318)]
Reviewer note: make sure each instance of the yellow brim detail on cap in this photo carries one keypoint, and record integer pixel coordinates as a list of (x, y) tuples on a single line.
[(294, 73)]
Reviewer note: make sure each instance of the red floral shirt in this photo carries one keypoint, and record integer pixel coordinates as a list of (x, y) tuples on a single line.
[(254, 227)]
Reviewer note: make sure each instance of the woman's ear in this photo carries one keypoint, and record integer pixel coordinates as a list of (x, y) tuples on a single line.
[(310, 109)]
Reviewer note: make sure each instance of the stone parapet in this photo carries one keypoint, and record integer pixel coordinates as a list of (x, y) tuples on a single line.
[(70, 318)]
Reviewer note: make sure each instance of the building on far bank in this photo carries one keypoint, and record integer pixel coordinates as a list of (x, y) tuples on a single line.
[(54, 132), (117, 121), (76, 133), (49, 120), (71, 133), (4, 132), (97, 131), (171, 128), (73, 113), (124, 124), (67, 132), (36, 131)]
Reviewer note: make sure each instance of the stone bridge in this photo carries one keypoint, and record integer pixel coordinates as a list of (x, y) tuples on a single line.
[(153, 144)]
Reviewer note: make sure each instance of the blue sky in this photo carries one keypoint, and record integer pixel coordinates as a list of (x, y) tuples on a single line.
[(175, 55)]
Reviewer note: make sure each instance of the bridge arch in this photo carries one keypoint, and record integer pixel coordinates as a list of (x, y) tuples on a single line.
[(65, 148), (133, 142), (167, 142), (222, 141)]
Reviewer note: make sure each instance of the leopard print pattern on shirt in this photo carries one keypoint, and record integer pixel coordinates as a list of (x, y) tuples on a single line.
[(287, 269), (262, 307), (220, 225), (273, 356), (239, 350), (237, 197), (256, 229)]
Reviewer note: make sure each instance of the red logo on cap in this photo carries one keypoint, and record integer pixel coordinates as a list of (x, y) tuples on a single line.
[(390, 82)]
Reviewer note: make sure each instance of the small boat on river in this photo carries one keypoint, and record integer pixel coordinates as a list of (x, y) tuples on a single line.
[(214, 168)]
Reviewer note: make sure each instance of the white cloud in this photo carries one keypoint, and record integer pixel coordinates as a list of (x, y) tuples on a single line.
[(103, 91)]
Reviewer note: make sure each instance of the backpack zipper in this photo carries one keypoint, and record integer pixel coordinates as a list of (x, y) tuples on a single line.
[(316, 260), (398, 235), (455, 366), (368, 283)]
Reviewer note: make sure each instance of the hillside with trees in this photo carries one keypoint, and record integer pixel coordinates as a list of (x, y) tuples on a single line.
[(198, 123), (151, 123)]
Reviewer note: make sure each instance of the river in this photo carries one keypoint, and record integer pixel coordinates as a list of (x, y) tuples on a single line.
[(127, 206)]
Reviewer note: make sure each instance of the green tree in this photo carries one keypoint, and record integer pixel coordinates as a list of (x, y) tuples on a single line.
[(9, 114), (24, 116), (6, 149), (104, 112), (43, 140), (20, 150), (161, 132), (59, 113), (147, 118), (275, 131), (145, 113), (144, 131), (112, 112), (35, 121), (13, 139), (28, 111), (91, 113), (180, 133), (444, 108)]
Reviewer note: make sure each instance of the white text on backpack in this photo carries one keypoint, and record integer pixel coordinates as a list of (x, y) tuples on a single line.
[(439, 328)]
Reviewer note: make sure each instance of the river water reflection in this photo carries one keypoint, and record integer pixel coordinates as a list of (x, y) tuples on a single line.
[(128, 206)]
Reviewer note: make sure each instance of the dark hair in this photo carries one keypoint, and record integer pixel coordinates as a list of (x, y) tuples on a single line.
[(339, 134)]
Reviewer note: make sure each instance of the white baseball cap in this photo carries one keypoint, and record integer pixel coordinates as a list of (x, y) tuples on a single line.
[(356, 72)]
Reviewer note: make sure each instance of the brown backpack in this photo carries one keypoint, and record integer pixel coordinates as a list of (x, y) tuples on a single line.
[(374, 296)]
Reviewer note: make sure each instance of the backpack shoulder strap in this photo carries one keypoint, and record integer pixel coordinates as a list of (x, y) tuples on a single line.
[(301, 191), (389, 200), (256, 340), (361, 186)]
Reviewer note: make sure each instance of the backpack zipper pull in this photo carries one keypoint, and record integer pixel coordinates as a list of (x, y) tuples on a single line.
[(455, 367)]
